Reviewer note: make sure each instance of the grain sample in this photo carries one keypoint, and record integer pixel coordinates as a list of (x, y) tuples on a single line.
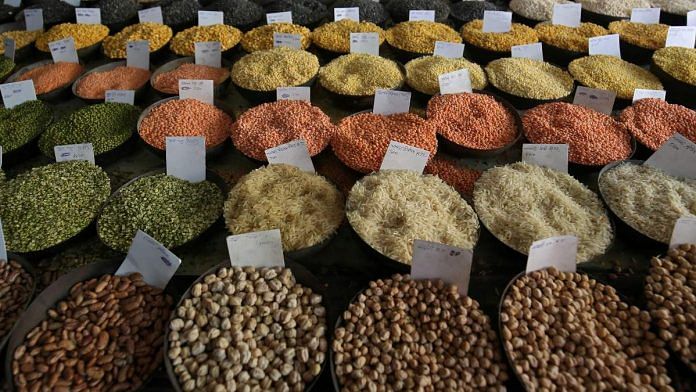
[(653, 121), (22, 38), (23, 123), (677, 62), (95, 84), (644, 35), (335, 36), (539, 10), (613, 74), (266, 70), (16, 287), (422, 73), (83, 35), (304, 12), (519, 34), (114, 46), (370, 11), (619, 9), (261, 38), (420, 36), (360, 74), (168, 82), (239, 13), (399, 10), (184, 42), (574, 39), (529, 78), (52, 76), (457, 176)]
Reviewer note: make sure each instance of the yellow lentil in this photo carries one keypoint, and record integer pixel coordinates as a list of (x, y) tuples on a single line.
[(158, 35), (21, 38), (266, 70), (613, 74), (335, 36), (529, 78), (183, 42), (519, 34), (84, 35), (360, 74), (422, 73), (649, 36), (420, 36), (569, 38), (261, 38), (678, 62)]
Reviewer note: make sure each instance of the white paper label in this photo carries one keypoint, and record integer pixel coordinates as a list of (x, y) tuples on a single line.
[(567, 14), (497, 21), (425, 15), (33, 19), (258, 249), (683, 36), (208, 53), (352, 13), (294, 94), (88, 15), (294, 153), (391, 102), (9, 44), (596, 99), (529, 51), (207, 18), (645, 15), (74, 152), (677, 157), (606, 44), (13, 3), (63, 51), (138, 54), (17, 93), (279, 17), (151, 259), (684, 232), (153, 15), (450, 50), (201, 90), (293, 41), (3, 247), (364, 43), (455, 82), (74, 3), (559, 252), (553, 156), (400, 156), (640, 93), (691, 18), (438, 261), (186, 157), (120, 96)]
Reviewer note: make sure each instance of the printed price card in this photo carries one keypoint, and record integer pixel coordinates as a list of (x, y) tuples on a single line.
[(13, 3), (559, 252), (138, 54), (439, 261), (208, 53), (294, 153), (567, 14), (645, 15), (640, 93), (207, 18), (400, 156), (279, 17), (3, 247), (391, 102), (596, 99), (684, 232), (153, 15), (684, 36), (151, 259), (364, 43), (455, 82), (450, 50), (691, 18), (294, 94), (201, 90), (293, 41), (17, 93), (352, 13), (9, 44), (677, 157), (553, 156), (425, 15), (186, 157), (605, 44), (529, 51), (256, 249), (497, 21), (120, 96), (63, 50), (74, 152), (33, 19), (88, 15)]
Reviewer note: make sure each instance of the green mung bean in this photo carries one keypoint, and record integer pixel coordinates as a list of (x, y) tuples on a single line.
[(6, 66), (23, 123)]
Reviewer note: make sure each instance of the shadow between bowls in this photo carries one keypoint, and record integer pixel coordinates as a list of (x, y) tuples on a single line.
[(405, 56), (52, 95), (259, 97), (34, 278), (635, 54), (519, 18), (677, 91), (580, 169), (482, 56), (523, 103), (671, 19), (339, 323), (139, 92), (21, 53), (560, 56), (219, 90), (600, 19), (302, 276)]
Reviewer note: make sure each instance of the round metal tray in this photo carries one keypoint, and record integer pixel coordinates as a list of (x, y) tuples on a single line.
[(219, 90), (139, 92), (678, 91), (360, 101), (523, 103), (259, 97), (53, 95)]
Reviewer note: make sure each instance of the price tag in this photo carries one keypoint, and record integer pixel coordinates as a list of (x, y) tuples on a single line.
[(677, 157), (455, 82), (13, 3), (74, 152), (33, 19), (9, 45), (74, 3), (450, 50), (88, 15), (683, 36), (3, 246), (425, 15), (293, 41), (391, 102), (529, 51), (559, 252), (567, 14), (684, 232), (186, 157), (201, 90), (138, 54), (258, 249), (153, 15), (17, 93), (640, 93), (497, 21), (691, 18), (208, 18), (63, 51), (208, 53), (364, 43), (294, 153), (645, 15), (279, 17), (352, 13), (596, 99), (151, 259), (438, 261), (120, 96), (605, 44), (553, 156), (294, 94), (400, 156)]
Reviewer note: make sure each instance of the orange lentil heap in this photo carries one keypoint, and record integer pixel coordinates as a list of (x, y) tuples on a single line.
[(168, 82), (460, 178), (593, 138), (185, 117), (272, 124), (94, 85), (361, 140), (52, 76), (653, 121)]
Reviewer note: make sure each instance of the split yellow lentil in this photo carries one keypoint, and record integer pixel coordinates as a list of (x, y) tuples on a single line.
[(529, 78), (519, 34), (335, 36), (420, 36), (261, 38), (84, 35), (184, 42), (649, 36), (21, 38), (569, 38), (360, 74), (157, 34), (422, 73), (613, 74), (266, 70), (678, 62)]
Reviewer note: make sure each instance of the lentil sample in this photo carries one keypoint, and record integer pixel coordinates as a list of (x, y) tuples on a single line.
[(54, 11), (157, 34), (95, 84), (422, 73), (335, 36), (361, 140), (613, 74), (22, 123), (117, 11), (360, 74), (460, 178), (620, 9), (654, 121), (574, 39), (266, 70), (6, 67), (420, 36), (238, 13), (529, 78), (399, 9), (21, 38), (84, 35), (539, 10), (184, 42), (305, 207), (370, 11), (304, 12), (648, 36), (16, 286), (50, 204), (106, 125), (519, 34), (520, 218), (185, 117), (272, 124), (390, 209), (52, 76), (179, 13), (168, 82), (466, 11), (261, 38), (678, 62)]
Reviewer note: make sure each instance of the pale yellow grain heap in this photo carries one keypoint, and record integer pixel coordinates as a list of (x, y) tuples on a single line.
[(266, 70), (613, 74), (360, 74), (422, 73), (529, 78)]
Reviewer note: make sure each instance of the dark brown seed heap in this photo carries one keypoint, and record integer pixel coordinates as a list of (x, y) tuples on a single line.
[(15, 290)]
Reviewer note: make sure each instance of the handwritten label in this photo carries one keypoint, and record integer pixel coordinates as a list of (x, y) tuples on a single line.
[(684, 232), (138, 54), (287, 40), (208, 53), (352, 13), (258, 249), (497, 21), (455, 82), (553, 156), (74, 152), (279, 17), (605, 44), (33, 19), (677, 157), (567, 14), (529, 51), (640, 93), (559, 252), (13, 3), (208, 18), (439, 261), (645, 15), (683, 36), (391, 102), (88, 15), (201, 90), (120, 96), (424, 15), (400, 156), (364, 43), (74, 3), (294, 94), (450, 50), (153, 15), (17, 93), (151, 259), (294, 153), (186, 157), (3, 246), (9, 44), (63, 50), (596, 99), (691, 18)]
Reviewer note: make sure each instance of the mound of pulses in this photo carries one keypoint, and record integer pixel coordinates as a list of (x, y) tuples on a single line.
[(389, 209)]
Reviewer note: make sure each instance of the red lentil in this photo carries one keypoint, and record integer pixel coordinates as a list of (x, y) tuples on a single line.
[(653, 121), (475, 121), (168, 82), (52, 76), (361, 140), (593, 138), (460, 178), (272, 124), (94, 85), (185, 117)]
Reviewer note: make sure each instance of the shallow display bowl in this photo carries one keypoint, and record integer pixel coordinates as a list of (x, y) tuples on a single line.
[(560, 56), (24, 52), (483, 56), (259, 97), (139, 92), (600, 19), (52, 95), (116, 153), (677, 91), (523, 103), (635, 54), (405, 56), (361, 101), (34, 278), (385, 262), (26, 150), (580, 168), (219, 90)]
